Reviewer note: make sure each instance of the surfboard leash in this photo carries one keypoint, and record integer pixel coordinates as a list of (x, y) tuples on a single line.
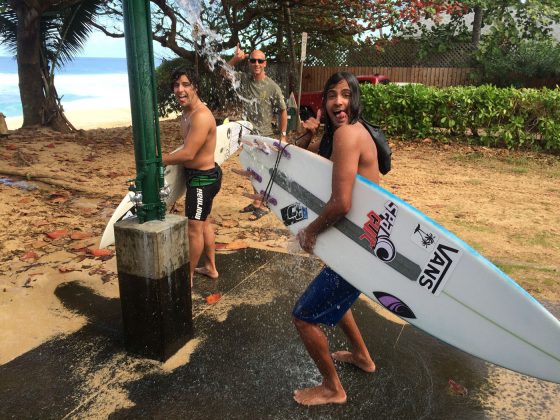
[(268, 189)]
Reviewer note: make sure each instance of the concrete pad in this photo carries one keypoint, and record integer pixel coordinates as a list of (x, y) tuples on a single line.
[(246, 359)]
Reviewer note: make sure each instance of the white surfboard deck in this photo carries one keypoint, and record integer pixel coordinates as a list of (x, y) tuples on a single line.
[(410, 265), (227, 142)]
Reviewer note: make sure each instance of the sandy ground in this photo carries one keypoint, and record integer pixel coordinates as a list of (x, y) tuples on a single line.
[(58, 191)]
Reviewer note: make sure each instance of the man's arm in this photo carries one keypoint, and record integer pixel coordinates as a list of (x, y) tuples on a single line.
[(345, 158), (283, 125), (311, 126), (198, 132), (238, 56)]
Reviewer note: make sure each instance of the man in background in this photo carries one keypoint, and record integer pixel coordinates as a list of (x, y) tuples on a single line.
[(262, 100)]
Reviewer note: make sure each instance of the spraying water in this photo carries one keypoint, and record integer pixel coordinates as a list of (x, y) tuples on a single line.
[(208, 40)]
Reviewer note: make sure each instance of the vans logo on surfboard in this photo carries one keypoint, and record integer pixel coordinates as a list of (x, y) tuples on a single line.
[(437, 271), (394, 305), (377, 231), (293, 213)]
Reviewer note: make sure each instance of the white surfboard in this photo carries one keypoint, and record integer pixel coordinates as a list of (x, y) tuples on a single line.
[(227, 142), (409, 264)]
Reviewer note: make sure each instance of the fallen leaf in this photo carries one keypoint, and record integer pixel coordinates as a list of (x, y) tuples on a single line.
[(96, 252), (58, 197), (55, 234), (213, 298), (29, 255), (50, 145), (64, 269), (457, 388), (11, 147), (77, 234)]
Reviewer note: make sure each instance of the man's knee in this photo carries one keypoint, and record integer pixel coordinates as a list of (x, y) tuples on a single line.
[(195, 227), (301, 325)]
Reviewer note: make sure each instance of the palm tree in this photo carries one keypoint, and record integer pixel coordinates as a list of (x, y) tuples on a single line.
[(45, 35)]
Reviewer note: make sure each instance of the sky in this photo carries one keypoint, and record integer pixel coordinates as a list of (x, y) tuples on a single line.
[(100, 45)]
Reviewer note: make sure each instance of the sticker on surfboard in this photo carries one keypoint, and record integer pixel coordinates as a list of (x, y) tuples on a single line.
[(377, 231), (394, 305), (439, 267), (293, 213)]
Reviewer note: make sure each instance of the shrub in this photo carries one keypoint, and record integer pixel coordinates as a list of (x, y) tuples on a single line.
[(486, 115)]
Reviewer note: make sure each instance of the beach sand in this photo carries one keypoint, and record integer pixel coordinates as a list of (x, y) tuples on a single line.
[(87, 119), (505, 204)]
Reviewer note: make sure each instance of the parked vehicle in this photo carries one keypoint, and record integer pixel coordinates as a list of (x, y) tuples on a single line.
[(311, 101)]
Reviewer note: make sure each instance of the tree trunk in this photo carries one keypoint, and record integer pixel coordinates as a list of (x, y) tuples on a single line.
[(292, 51), (38, 95), (477, 25), (29, 64)]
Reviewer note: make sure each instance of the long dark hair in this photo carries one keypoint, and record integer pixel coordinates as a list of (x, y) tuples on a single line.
[(354, 111)]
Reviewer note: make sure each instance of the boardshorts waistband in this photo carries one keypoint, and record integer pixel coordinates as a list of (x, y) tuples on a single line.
[(202, 178)]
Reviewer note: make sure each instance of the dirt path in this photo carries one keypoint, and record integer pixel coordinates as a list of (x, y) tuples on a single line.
[(504, 204)]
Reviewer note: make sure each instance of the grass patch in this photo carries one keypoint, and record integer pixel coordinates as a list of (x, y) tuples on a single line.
[(543, 239)]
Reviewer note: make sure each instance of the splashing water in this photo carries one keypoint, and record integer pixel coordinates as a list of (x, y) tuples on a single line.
[(207, 39)]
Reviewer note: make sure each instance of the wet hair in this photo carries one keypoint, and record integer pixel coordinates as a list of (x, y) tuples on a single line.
[(184, 71), (355, 106)]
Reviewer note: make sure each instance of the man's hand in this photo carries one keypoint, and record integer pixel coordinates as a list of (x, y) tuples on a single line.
[(239, 54), (311, 125), (306, 240)]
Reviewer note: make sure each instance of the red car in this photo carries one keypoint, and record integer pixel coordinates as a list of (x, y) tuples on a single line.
[(311, 101)]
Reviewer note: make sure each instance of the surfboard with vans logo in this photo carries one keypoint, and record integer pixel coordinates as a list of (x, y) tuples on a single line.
[(228, 138), (409, 264)]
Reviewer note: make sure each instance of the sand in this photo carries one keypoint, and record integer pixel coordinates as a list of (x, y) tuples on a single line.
[(505, 204)]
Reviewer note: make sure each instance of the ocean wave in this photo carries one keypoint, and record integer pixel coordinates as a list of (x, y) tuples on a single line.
[(77, 92)]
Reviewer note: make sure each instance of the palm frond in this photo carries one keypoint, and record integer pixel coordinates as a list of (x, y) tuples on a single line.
[(8, 30), (65, 31)]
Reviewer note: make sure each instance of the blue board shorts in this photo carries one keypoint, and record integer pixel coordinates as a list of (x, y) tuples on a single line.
[(326, 299)]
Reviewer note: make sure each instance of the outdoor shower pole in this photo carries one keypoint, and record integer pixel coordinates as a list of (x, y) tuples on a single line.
[(152, 248), (143, 101)]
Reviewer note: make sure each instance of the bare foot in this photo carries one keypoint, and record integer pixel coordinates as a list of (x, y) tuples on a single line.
[(319, 395), (207, 272), (348, 357)]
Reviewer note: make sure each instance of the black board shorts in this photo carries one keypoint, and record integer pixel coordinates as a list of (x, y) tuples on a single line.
[(202, 187)]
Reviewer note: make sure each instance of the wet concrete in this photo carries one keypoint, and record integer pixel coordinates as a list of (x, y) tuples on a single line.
[(247, 359)]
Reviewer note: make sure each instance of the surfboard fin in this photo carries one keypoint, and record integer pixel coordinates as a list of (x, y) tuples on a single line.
[(279, 147), (261, 197), (249, 174)]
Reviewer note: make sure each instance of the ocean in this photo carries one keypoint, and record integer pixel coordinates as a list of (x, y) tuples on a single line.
[(85, 83)]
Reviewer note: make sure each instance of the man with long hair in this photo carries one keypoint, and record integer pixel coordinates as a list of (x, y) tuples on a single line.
[(328, 299)]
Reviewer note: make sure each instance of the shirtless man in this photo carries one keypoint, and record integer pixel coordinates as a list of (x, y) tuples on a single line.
[(204, 176), (329, 297)]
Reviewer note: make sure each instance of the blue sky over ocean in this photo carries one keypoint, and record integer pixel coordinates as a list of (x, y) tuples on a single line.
[(96, 79)]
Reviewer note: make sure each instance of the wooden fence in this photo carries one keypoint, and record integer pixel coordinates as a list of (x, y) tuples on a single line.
[(314, 78)]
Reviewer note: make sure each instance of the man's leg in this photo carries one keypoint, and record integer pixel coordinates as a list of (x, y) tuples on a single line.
[(196, 244), (359, 356), (330, 390), (209, 268)]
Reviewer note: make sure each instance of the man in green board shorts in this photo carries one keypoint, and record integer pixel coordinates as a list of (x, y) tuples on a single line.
[(204, 176)]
